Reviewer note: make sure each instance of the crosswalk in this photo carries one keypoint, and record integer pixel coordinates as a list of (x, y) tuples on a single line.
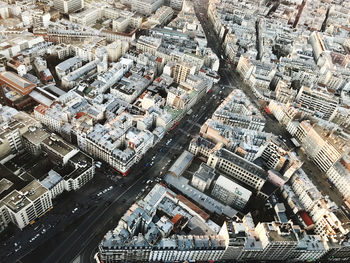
[(194, 123)]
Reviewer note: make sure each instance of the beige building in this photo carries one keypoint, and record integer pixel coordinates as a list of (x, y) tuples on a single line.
[(323, 146), (182, 70), (12, 129)]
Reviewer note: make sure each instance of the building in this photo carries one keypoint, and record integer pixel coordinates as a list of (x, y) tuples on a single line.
[(321, 102), (15, 90), (162, 16), (203, 177), (87, 17), (278, 240), (33, 138), (273, 155), (146, 7), (27, 204), (230, 193), (238, 168), (339, 176), (12, 128), (67, 66), (237, 111), (182, 70), (322, 145), (68, 6), (176, 4)]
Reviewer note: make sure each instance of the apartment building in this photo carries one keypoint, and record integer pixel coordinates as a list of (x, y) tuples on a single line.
[(321, 102), (153, 238), (27, 204), (68, 6), (323, 146), (203, 177), (278, 240), (67, 66), (237, 111), (12, 127), (339, 175), (182, 70), (146, 7), (230, 193), (87, 17), (273, 155), (238, 168)]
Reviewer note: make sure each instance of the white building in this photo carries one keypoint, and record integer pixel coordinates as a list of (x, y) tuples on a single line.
[(230, 193), (322, 102), (24, 206), (146, 7), (68, 6)]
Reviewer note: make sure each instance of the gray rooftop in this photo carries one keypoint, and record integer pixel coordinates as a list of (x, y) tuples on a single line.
[(210, 204)]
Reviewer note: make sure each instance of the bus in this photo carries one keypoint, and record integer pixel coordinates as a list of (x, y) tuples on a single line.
[(174, 126)]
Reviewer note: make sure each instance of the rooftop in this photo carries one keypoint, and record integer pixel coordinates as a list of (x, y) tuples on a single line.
[(19, 84), (57, 145), (210, 204), (233, 187), (181, 163), (36, 135)]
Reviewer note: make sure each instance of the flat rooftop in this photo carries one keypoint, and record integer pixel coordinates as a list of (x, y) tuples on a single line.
[(232, 186), (57, 145), (210, 204), (36, 135)]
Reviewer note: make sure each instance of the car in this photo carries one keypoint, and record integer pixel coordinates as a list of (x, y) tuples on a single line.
[(151, 163), (149, 181), (147, 164), (18, 248), (43, 231), (9, 254), (110, 188)]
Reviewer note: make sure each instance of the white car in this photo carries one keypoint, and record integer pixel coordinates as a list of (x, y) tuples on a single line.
[(18, 248)]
